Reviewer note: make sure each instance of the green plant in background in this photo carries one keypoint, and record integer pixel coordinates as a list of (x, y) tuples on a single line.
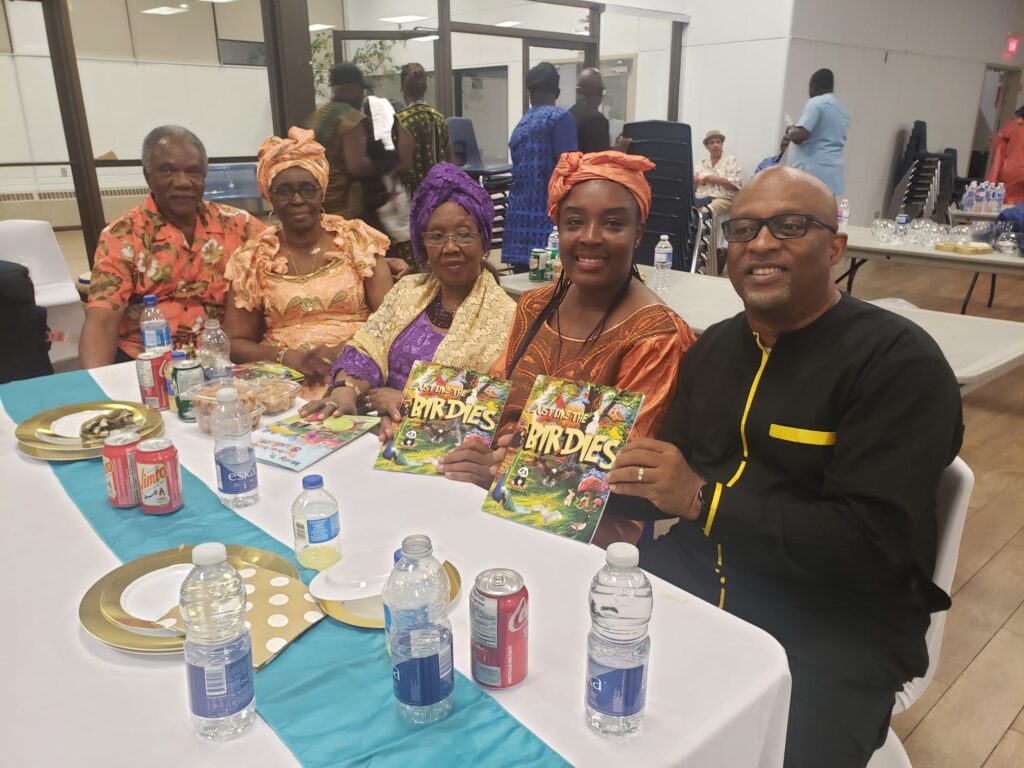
[(322, 47), (374, 58)]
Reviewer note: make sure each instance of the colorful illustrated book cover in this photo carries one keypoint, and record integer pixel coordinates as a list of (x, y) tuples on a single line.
[(442, 407), (554, 476), (297, 442), (266, 370)]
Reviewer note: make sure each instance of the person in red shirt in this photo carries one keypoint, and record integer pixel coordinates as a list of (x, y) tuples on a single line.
[(174, 246), (1008, 158)]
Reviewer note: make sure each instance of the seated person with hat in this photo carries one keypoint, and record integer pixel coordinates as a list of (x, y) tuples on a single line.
[(718, 176)]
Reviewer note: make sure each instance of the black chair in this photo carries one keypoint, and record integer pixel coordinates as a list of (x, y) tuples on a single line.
[(23, 331)]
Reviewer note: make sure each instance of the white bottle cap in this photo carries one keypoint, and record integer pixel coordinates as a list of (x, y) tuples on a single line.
[(622, 555), (210, 553), (664, 237), (227, 395), (211, 322)]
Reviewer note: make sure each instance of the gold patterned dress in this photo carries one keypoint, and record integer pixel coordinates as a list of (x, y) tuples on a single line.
[(323, 308)]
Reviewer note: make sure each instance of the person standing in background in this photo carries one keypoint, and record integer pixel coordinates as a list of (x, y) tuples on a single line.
[(592, 132), (1008, 158), (819, 136), (540, 138), (718, 176), (431, 143)]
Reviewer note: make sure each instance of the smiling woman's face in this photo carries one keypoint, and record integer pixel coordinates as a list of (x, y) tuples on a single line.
[(598, 229), (296, 212), (455, 265)]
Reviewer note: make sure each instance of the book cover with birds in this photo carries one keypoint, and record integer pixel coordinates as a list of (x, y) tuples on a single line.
[(442, 408), (296, 442), (554, 475)]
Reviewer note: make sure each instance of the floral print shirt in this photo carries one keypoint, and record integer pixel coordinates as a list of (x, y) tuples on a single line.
[(728, 168), (140, 253)]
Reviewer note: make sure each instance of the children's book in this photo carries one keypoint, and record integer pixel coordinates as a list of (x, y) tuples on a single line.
[(554, 475), (297, 442), (442, 408), (266, 370)]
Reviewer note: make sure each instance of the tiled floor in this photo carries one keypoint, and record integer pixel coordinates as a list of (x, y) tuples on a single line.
[(972, 715)]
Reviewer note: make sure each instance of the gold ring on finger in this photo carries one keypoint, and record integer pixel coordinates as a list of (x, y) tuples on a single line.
[(640, 474)]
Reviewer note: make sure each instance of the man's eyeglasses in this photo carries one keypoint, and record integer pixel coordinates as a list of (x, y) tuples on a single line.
[(784, 226), (286, 192), (438, 239)]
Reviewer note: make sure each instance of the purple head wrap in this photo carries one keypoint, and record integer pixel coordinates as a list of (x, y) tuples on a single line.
[(445, 183)]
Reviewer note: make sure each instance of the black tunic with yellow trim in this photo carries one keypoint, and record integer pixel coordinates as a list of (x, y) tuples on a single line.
[(822, 456)]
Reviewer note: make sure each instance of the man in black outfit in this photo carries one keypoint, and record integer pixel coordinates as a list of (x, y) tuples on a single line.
[(802, 454), (591, 125)]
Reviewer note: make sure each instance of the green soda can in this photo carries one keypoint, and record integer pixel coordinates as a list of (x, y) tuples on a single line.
[(186, 375), (538, 264)]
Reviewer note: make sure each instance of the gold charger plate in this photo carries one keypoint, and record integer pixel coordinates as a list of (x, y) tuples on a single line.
[(48, 455), (29, 431), (103, 616), (337, 609)]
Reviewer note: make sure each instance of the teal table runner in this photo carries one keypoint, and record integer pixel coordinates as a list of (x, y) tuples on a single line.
[(328, 696)]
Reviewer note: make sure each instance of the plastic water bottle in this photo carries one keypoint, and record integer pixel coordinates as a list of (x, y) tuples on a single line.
[(970, 195), (553, 246), (214, 351), (233, 452), (156, 331), (618, 646), (218, 650), (843, 214), (317, 525), (416, 597), (1000, 198), (662, 263), (902, 225), (387, 613)]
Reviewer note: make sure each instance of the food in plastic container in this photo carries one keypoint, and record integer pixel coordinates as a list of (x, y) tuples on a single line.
[(204, 397), (276, 395)]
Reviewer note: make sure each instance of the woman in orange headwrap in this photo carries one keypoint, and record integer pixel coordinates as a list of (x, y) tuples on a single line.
[(298, 292), (599, 323)]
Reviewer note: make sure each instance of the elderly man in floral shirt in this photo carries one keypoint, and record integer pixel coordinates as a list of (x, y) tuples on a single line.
[(174, 246)]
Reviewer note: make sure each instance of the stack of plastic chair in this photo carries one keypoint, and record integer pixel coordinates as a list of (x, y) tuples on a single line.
[(34, 245), (467, 156), (673, 206)]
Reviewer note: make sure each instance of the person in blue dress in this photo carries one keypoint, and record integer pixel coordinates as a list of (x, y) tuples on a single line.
[(819, 136), (540, 138)]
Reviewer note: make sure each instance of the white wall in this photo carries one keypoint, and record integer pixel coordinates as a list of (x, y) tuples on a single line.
[(896, 61)]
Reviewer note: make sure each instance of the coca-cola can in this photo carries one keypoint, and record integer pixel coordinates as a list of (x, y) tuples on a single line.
[(499, 612), (119, 451), (151, 368), (159, 476)]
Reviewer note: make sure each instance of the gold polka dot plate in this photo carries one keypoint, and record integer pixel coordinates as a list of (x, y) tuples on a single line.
[(368, 612), (102, 610)]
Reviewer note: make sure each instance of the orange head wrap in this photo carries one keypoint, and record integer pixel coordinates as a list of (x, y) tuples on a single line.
[(575, 167), (299, 149)]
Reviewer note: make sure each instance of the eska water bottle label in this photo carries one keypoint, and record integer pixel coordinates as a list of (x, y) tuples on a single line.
[(423, 681), (617, 692), (158, 336), (221, 691), (236, 478), (324, 529)]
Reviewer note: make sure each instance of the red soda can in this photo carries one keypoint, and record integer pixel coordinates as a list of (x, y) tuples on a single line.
[(159, 476), (119, 451), (499, 612), (151, 369)]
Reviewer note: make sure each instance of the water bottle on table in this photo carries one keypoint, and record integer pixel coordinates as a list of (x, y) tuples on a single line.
[(843, 214), (218, 650), (662, 263), (214, 351), (553, 247), (902, 225), (317, 525), (233, 452), (618, 647), (416, 598), (1000, 198), (156, 331)]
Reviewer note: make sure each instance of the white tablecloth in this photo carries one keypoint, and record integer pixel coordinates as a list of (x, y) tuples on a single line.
[(718, 688), (861, 244)]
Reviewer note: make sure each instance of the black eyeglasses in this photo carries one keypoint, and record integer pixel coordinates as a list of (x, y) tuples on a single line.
[(286, 192), (784, 226), (438, 239)]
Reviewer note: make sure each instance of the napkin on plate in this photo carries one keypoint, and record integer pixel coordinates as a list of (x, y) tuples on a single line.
[(278, 610)]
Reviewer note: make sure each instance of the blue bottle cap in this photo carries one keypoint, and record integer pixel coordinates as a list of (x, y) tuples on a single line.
[(312, 481), (398, 554), (149, 300), (178, 354)]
